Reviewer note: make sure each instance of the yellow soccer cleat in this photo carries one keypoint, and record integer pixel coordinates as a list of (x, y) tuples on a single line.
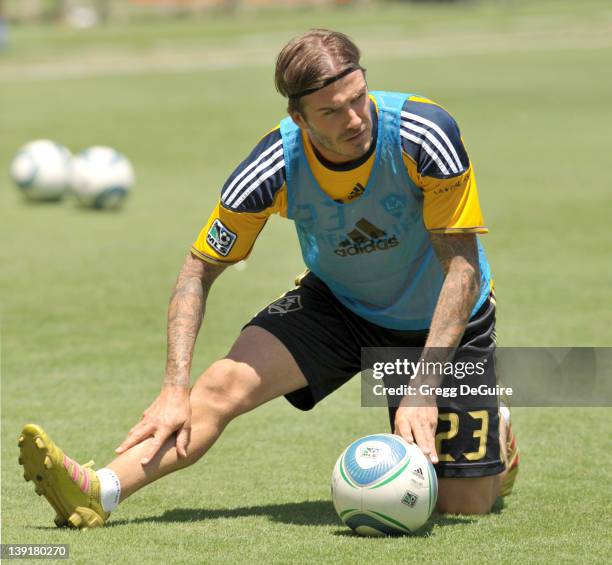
[(72, 490)]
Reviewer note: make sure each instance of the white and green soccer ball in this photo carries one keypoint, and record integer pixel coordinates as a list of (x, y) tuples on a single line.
[(101, 177), (382, 485), (41, 170)]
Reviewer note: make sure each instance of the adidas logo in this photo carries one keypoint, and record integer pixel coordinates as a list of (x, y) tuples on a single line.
[(365, 238), (418, 472), (357, 191)]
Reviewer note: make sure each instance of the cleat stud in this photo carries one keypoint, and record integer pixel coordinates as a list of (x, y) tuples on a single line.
[(38, 490), (48, 462), (20, 460), (75, 519), (39, 478), (39, 443), (26, 477), (60, 521)]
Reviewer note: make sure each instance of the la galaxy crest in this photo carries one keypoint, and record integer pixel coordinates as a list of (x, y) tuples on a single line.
[(394, 204), (285, 305)]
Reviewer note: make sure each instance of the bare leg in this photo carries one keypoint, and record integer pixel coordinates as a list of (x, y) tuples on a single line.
[(257, 369)]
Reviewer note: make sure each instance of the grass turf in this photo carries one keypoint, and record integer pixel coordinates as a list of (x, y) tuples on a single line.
[(84, 294)]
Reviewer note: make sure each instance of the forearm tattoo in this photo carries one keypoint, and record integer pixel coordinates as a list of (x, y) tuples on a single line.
[(458, 255), (185, 315)]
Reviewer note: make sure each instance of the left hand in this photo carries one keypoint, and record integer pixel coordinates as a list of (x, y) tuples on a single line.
[(169, 413), (418, 423)]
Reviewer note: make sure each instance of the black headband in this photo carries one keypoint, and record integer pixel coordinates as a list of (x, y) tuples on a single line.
[(326, 82)]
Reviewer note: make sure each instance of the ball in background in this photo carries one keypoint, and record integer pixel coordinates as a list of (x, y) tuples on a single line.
[(101, 177), (41, 170), (382, 485)]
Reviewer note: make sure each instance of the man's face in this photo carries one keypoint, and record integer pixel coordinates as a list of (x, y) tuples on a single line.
[(337, 119)]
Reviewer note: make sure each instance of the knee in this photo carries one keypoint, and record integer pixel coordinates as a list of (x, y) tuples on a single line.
[(220, 391), (473, 506), (467, 496)]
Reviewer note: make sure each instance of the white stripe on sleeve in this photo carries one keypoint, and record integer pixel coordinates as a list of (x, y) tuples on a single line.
[(439, 131), (435, 142), (420, 141), (259, 181), (229, 198), (270, 149)]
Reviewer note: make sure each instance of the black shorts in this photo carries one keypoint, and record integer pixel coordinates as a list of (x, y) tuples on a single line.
[(325, 339)]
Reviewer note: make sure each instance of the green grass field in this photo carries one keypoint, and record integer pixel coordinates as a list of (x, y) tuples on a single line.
[(84, 295)]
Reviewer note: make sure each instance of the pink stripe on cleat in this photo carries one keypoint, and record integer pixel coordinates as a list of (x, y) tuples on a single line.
[(85, 482)]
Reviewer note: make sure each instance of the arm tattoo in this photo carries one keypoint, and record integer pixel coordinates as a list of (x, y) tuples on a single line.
[(185, 314), (458, 255)]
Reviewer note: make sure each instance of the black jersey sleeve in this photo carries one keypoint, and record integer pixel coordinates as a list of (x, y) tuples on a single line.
[(431, 137), (254, 184)]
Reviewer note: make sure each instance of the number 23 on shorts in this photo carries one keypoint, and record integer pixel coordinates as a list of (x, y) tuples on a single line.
[(465, 437)]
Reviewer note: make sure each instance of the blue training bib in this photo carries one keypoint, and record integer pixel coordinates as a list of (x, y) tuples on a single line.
[(374, 252)]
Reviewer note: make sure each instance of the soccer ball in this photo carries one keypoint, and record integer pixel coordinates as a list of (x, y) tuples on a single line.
[(41, 169), (101, 177), (382, 485)]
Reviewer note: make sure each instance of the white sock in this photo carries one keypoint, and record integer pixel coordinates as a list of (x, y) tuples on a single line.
[(505, 412), (110, 489)]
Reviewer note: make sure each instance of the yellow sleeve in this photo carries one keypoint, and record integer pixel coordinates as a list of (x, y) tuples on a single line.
[(229, 236), (438, 163), (450, 205)]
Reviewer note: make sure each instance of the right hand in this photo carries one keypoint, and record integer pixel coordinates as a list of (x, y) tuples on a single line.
[(169, 413), (418, 424)]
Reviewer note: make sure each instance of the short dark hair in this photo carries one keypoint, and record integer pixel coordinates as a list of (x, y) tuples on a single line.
[(309, 61)]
